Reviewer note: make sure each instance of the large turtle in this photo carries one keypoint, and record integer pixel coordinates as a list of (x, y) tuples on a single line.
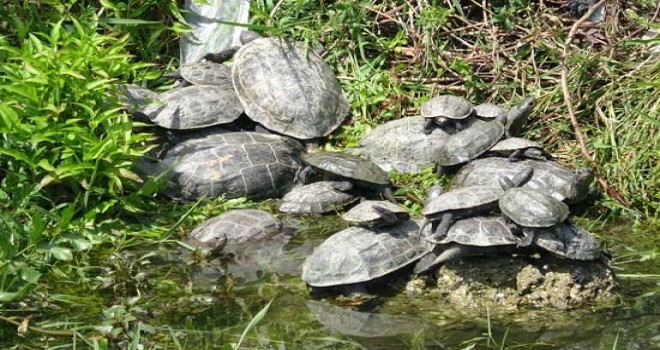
[(549, 177), (402, 145), (444, 109), (235, 164), (357, 255), (471, 236), (346, 167), (376, 214), (465, 201), (287, 87), (234, 227), (317, 198)]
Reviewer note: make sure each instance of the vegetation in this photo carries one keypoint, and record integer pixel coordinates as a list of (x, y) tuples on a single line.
[(70, 203)]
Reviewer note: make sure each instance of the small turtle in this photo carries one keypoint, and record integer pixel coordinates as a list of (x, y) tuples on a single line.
[(569, 241), (466, 201), (517, 148), (357, 255), (489, 111), (286, 87), (401, 145), (317, 198), (376, 214), (528, 207), (234, 227), (549, 177), (234, 164), (517, 116), (346, 167), (471, 236), (444, 109)]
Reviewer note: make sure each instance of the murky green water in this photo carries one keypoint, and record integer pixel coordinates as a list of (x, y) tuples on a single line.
[(208, 304)]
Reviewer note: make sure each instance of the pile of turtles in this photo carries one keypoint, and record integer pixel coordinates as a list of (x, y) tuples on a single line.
[(241, 128)]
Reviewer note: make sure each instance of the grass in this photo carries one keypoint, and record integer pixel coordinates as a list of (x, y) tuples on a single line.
[(66, 154)]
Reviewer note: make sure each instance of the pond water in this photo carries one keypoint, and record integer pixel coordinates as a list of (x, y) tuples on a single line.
[(207, 304)]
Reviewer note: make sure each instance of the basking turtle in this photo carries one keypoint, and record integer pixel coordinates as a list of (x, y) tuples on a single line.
[(234, 227), (517, 116), (466, 201), (346, 167), (549, 177), (471, 236), (357, 255), (286, 87), (569, 241), (235, 164), (531, 208), (194, 106), (376, 214), (489, 111), (517, 148), (317, 198), (445, 109), (401, 145)]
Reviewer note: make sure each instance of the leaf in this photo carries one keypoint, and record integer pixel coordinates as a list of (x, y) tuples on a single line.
[(30, 275), (127, 174), (61, 253), (55, 33), (253, 323)]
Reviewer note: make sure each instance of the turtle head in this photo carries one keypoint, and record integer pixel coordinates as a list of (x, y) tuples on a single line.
[(584, 176)]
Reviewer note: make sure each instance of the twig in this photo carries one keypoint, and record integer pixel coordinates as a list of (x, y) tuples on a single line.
[(273, 12), (569, 105), (37, 329)]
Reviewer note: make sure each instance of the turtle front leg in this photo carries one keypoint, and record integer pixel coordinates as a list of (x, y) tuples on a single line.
[(429, 126), (441, 231), (387, 193), (516, 156)]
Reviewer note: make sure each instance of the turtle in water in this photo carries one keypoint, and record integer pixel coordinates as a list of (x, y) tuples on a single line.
[(356, 255), (401, 145), (375, 214), (234, 164), (517, 148), (345, 167), (234, 227), (286, 87), (317, 198), (471, 236), (465, 201), (560, 182), (445, 109)]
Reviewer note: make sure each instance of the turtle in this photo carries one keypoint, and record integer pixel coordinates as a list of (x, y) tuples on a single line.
[(401, 145), (443, 109), (517, 116), (569, 241), (286, 87), (531, 208), (358, 254), (518, 148), (560, 182), (234, 227), (489, 111), (195, 106), (372, 213), (234, 164), (475, 235), (317, 198), (466, 201), (346, 167), (203, 73)]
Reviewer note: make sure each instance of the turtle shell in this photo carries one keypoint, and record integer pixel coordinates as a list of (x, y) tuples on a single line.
[(358, 254), (365, 214), (569, 241), (346, 166), (447, 106), (549, 177), (206, 73), (464, 199), (194, 107), (489, 111), (317, 198), (235, 164), (514, 143), (402, 145), (528, 207), (288, 88), (470, 143), (237, 226), (480, 231)]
